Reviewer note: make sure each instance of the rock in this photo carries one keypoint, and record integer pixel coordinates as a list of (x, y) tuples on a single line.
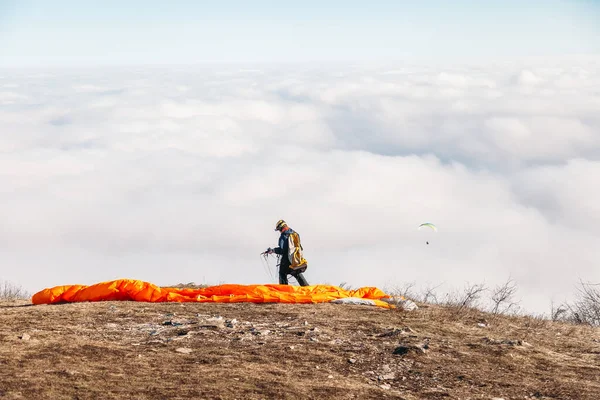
[(24, 337), (385, 386), (330, 376), (386, 368), (401, 350), (401, 302), (407, 305), (183, 350), (172, 323), (352, 361), (388, 377)]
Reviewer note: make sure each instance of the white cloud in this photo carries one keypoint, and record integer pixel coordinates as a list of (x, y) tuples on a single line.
[(174, 175)]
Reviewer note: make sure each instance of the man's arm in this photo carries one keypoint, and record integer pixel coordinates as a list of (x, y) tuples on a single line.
[(279, 250)]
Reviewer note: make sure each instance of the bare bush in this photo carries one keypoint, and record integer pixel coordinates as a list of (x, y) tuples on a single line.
[(503, 297), (429, 295), (557, 313), (468, 298), (585, 309), (405, 290), (10, 291)]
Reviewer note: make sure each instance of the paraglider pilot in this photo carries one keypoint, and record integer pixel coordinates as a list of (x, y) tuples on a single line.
[(282, 250)]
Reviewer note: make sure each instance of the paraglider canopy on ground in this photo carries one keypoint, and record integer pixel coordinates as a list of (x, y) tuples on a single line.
[(136, 290)]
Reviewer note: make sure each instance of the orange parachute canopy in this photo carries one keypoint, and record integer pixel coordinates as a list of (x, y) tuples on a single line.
[(135, 290)]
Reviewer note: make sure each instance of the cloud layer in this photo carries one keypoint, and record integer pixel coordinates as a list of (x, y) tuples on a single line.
[(178, 174)]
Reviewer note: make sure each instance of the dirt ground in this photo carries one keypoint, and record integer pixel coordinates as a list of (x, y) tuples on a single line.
[(129, 350)]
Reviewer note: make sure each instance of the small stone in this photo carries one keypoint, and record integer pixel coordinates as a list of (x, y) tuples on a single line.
[(352, 361), (305, 322), (385, 386), (183, 350), (292, 348), (231, 323), (388, 377), (330, 376), (24, 337), (386, 368), (264, 332)]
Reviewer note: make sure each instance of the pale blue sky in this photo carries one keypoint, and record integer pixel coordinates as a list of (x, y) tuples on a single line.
[(80, 32)]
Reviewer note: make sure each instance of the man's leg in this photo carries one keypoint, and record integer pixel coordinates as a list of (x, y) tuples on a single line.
[(283, 273), (300, 278)]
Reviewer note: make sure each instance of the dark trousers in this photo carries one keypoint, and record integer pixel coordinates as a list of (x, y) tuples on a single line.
[(285, 270)]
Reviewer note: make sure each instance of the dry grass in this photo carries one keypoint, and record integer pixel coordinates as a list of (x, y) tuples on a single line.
[(113, 350)]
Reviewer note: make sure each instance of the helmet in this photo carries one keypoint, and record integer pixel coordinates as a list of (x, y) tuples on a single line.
[(280, 224)]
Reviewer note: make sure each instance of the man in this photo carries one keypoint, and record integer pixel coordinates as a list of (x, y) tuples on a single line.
[(282, 250)]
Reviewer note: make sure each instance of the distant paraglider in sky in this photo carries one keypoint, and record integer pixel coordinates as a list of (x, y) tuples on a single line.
[(428, 225)]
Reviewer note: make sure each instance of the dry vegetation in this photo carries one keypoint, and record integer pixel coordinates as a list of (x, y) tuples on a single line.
[(134, 350), (10, 291)]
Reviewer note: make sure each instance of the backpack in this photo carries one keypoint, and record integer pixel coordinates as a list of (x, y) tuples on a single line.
[(295, 249)]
